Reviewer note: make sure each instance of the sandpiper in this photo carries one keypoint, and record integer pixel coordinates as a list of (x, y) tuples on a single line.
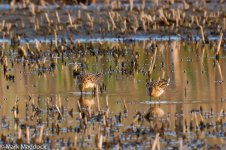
[(157, 88), (88, 80)]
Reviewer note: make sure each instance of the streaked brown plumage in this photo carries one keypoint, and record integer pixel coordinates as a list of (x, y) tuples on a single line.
[(88, 80), (157, 88)]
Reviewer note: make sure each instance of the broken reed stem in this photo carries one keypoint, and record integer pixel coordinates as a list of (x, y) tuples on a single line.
[(59, 100), (98, 100), (41, 134), (150, 69), (131, 5), (112, 21), (135, 119), (155, 142), (12, 3), (219, 116), (69, 19), (202, 33), (19, 133), (220, 72), (100, 142), (143, 4), (125, 107), (79, 106), (107, 101), (202, 119), (57, 16), (186, 5), (180, 143), (219, 44), (47, 18), (79, 14), (28, 135), (163, 74), (56, 38), (32, 9), (196, 120), (75, 140), (58, 109)]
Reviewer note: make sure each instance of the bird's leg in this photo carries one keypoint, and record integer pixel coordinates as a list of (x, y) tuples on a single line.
[(159, 101), (81, 92), (96, 90)]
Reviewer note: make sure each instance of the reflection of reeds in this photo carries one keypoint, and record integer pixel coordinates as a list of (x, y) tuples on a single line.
[(219, 70)]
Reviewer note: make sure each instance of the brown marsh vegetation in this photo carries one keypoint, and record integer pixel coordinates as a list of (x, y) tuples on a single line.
[(45, 48)]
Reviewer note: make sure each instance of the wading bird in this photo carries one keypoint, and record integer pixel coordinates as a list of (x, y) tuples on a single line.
[(88, 80), (157, 88)]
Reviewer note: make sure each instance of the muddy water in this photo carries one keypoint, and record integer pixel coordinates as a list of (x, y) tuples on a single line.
[(196, 80)]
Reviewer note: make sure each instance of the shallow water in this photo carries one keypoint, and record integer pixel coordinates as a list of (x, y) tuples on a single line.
[(196, 80)]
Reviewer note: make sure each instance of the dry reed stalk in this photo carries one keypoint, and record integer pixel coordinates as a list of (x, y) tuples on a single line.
[(104, 120), (75, 140), (58, 109), (56, 38), (91, 20), (79, 14), (125, 107), (204, 4), (220, 72), (155, 2), (219, 45), (135, 119), (202, 119), (59, 101), (99, 139), (112, 20), (131, 5), (100, 142), (150, 69), (70, 19), (12, 4), (162, 16), (163, 74), (19, 133), (219, 116), (224, 24), (58, 18), (47, 18), (79, 106), (41, 134), (155, 142), (181, 144), (186, 5), (32, 99), (136, 25), (202, 56), (28, 135), (143, 4), (89, 112), (32, 9), (144, 25), (98, 99), (196, 120), (202, 33), (107, 101)]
